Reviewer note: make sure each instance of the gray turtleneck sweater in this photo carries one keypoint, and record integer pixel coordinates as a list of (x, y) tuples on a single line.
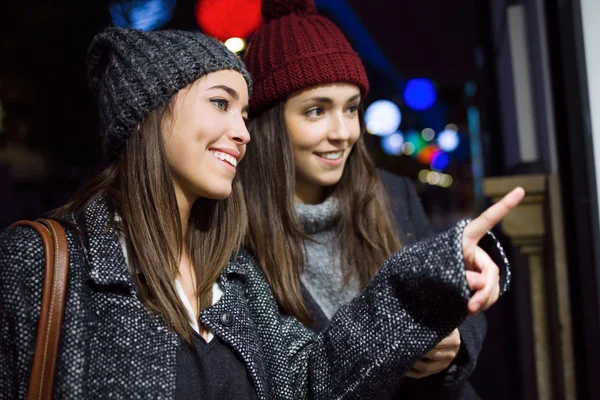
[(322, 275)]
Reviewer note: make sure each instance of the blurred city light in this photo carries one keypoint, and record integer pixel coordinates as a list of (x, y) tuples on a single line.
[(439, 160), (425, 154), (408, 148), (435, 178), (224, 19), (145, 15), (417, 141), (392, 144), (428, 134), (419, 94), (446, 181), (383, 118), (448, 140), (235, 44)]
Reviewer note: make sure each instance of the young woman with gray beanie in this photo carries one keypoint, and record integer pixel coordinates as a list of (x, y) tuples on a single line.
[(161, 303)]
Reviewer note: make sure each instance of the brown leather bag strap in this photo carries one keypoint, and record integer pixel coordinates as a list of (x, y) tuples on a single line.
[(54, 296)]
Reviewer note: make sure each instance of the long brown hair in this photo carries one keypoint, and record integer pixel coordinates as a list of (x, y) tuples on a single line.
[(366, 233), (138, 188)]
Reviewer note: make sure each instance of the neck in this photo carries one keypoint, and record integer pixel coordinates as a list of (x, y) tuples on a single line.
[(308, 194)]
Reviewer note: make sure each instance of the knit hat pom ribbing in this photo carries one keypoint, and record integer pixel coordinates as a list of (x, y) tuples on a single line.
[(274, 9)]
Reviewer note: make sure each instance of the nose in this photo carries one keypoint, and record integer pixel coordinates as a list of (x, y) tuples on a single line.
[(339, 130), (239, 134)]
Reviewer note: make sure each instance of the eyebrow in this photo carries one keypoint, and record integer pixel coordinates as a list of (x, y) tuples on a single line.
[(229, 90), (330, 101)]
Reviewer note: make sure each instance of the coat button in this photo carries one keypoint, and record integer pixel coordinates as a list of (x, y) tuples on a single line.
[(227, 318)]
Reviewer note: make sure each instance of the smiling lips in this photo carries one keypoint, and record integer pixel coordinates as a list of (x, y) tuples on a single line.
[(330, 155), (231, 160), (228, 158)]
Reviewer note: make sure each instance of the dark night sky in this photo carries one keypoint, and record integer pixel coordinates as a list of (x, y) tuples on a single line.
[(433, 38)]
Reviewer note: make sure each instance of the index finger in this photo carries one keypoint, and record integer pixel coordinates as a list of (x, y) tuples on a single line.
[(477, 228)]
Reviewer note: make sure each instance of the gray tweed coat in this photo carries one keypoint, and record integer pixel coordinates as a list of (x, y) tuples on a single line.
[(111, 346), (451, 384)]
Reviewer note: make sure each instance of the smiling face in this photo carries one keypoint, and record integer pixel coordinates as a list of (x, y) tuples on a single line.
[(323, 125), (205, 136)]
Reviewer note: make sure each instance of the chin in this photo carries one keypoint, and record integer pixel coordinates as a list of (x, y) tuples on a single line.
[(216, 191), (220, 195), (328, 179)]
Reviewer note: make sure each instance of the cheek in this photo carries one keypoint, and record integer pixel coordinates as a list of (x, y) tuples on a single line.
[(184, 149), (307, 137)]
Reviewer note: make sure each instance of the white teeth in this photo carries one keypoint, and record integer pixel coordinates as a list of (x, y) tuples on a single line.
[(331, 156), (225, 157)]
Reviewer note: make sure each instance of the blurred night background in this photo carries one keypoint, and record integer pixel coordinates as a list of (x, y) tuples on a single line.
[(465, 95)]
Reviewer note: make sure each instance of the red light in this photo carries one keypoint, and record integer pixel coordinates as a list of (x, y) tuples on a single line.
[(224, 19), (424, 156)]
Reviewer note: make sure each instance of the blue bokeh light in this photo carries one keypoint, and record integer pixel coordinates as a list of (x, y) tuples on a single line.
[(440, 160), (145, 15), (419, 94)]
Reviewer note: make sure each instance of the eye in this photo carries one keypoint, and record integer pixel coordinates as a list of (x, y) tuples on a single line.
[(352, 109), (220, 103), (314, 112)]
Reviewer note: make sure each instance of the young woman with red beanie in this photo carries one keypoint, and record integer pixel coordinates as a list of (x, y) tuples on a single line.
[(322, 218)]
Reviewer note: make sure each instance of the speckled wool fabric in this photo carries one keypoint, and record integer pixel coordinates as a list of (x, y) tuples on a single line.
[(323, 280), (111, 346)]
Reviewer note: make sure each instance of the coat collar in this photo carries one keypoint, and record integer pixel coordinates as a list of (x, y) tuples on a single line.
[(237, 267), (105, 253), (108, 265)]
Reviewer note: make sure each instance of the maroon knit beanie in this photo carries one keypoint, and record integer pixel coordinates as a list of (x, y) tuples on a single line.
[(296, 48)]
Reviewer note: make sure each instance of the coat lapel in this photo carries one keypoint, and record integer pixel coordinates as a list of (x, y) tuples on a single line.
[(231, 321), (128, 340)]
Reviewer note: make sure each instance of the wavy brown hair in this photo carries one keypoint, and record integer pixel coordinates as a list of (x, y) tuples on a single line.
[(367, 236), (138, 188)]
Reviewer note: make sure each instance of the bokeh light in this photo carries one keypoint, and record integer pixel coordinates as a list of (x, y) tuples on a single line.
[(392, 144), (428, 134), (224, 19), (383, 118), (424, 156), (235, 44), (440, 160), (435, 178), (145, 15), (419, 94), (408, 148), (448, 140)]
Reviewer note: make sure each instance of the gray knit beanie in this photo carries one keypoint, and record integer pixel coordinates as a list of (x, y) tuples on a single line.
[(132, 73)]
